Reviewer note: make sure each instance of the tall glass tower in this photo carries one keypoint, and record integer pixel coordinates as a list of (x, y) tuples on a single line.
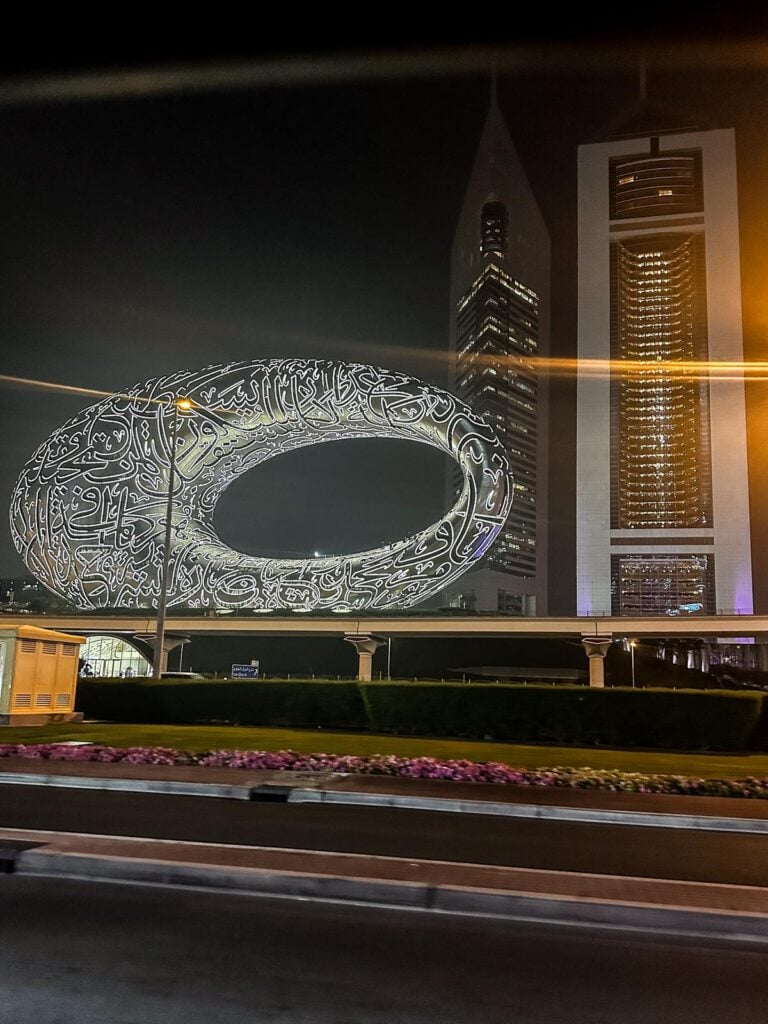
[(662, 488), (499, 328)]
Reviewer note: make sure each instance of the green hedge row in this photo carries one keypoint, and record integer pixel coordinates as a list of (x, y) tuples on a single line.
[(670, 719), (303, 704)]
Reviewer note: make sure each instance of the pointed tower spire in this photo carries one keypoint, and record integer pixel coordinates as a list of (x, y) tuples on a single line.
[(644, 119), (498, 176)]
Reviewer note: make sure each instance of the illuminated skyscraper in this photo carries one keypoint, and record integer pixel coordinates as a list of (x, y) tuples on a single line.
[(499, 326), (662, 487)]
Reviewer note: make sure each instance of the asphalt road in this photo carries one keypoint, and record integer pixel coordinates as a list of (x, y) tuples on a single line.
[(430, 835), (89, 953)]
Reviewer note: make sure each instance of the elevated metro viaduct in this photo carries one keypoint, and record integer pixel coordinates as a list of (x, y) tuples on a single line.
[(369, 632)]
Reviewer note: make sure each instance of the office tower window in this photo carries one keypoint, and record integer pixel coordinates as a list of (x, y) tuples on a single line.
[(655, 186), (661, 474), (493, 229), (662, 585), (497, 328)]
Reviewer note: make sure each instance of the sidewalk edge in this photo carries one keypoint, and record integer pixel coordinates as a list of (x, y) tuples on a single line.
[(299, 794), (161, 786), (588, 815), (731, 926)]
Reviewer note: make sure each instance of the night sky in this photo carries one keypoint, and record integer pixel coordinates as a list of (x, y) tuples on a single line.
[(142, 236)]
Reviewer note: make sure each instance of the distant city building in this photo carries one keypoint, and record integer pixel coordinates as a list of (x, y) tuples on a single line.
[(662, 489), (19, 591), (27, 594), (499, 327)]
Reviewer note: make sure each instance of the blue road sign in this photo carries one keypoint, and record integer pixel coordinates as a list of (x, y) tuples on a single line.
[(245, 672)]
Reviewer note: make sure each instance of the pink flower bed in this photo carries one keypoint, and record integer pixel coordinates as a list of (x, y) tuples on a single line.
[(404, 767), (95, 752)]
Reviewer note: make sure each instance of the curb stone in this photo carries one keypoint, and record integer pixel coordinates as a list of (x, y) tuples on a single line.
[(707, 823), (698, 923), (161, 786), (271, 792)]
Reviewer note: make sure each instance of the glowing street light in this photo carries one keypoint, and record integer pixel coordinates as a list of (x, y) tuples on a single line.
[(179, 405)]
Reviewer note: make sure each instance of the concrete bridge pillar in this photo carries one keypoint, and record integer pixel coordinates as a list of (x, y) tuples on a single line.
[(705, 657), (366, 645), (170, 642), (596, 648)]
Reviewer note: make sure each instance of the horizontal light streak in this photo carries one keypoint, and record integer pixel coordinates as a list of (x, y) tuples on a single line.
[(666, 369), (291, 69), (72, 389), (643, 370), (675, 369)]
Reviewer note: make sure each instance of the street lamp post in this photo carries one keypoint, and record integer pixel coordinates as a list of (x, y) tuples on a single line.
[(632, 645), (183, 405)]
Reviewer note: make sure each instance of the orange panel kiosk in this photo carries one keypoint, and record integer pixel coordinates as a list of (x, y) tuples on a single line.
[(38, 675)]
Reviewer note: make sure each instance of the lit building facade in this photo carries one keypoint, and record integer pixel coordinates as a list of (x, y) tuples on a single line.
[(499, 329), (110, 657), (662, 486)]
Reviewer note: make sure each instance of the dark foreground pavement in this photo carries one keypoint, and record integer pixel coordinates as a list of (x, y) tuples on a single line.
[(90, 953), (608, 860), (663, 881), (719, 857)]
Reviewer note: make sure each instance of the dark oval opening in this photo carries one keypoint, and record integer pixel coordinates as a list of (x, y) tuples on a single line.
[(334, 498)]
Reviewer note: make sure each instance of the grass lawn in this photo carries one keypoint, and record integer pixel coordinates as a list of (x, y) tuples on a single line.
[(211, 737)]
